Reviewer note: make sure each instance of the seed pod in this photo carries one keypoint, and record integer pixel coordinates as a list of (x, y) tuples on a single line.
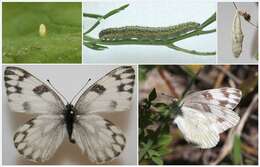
[(237, 36), (147, 33), (42, 30)]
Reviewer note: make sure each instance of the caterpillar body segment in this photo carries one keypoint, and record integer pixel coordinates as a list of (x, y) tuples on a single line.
[(147, 33)]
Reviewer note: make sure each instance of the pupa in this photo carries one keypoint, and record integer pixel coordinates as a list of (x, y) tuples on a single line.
[(237, 35)]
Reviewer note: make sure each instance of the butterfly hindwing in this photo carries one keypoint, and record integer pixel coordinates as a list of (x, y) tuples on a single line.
[(99, 138), (39, 138), (112, 93), (196, 128), (28, 94)]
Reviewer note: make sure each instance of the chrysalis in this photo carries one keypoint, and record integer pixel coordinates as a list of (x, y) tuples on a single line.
[(237, 36), (42, 30)]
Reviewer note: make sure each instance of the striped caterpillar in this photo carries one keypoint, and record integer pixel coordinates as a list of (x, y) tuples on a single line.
[(237, 35), (146, 33)]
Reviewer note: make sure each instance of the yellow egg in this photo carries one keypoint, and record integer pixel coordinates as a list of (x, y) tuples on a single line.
[(42, 30)]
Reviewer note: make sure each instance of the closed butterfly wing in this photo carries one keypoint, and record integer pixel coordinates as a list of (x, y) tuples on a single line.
[(211, 115), (196, 128)]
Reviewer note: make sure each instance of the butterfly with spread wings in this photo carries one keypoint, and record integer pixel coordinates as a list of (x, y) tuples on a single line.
[(39, 138), (203, 115)]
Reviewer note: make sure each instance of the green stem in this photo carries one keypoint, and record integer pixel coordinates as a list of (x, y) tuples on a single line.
[(192, 34), (100, 17), (91, 15), (194, 52)]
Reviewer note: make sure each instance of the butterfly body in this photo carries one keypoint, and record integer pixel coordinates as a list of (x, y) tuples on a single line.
[(39, 138), (69, 118)]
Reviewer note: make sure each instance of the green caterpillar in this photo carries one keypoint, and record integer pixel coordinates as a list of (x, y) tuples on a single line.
[(146, 33)]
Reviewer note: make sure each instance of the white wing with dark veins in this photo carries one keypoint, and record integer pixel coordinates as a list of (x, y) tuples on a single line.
[(112, 93), (38, 139), (101, 140), (206, 114), (28, 94)]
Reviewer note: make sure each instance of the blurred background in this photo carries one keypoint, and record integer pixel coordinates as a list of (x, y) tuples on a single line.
[(238, 145)]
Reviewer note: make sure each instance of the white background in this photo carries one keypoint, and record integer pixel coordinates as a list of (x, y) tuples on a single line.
[(151, 13), (226, 12), (69, 79)]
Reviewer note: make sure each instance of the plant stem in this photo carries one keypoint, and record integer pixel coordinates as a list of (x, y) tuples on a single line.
[(100, 17), (194, 52)]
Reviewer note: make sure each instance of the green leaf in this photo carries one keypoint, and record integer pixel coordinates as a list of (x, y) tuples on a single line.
[(236, 153), (153, 153), (165, 140), (164, 150), (152, 95), (157, 160)]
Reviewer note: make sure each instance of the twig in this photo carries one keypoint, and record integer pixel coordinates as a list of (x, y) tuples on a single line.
[(229, 74), (168, 83), (100, 17), (221, 76), (194, 52), (235, 131)]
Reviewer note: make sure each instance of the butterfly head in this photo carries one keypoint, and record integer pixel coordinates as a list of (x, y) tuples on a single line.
[(69, 107)]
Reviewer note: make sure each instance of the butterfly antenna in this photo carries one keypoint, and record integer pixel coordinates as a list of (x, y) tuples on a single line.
[(57, 90), (80, 91)]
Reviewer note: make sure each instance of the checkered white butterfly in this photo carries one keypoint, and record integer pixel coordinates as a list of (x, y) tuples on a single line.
[(39, 138), (203, 115)]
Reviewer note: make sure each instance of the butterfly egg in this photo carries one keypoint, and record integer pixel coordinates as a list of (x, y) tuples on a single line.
[(237, 35), (42, 30)]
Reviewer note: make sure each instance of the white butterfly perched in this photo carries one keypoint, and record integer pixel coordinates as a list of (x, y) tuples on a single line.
[(205, 114), (39, 138)]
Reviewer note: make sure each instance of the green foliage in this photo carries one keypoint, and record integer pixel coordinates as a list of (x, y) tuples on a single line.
[(237, 152), (22, 42), (154, 130)]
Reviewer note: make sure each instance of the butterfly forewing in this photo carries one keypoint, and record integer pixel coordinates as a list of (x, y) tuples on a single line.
[(208, 113), (28, 94), (99, 138), (112, 93), (224, 97)]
